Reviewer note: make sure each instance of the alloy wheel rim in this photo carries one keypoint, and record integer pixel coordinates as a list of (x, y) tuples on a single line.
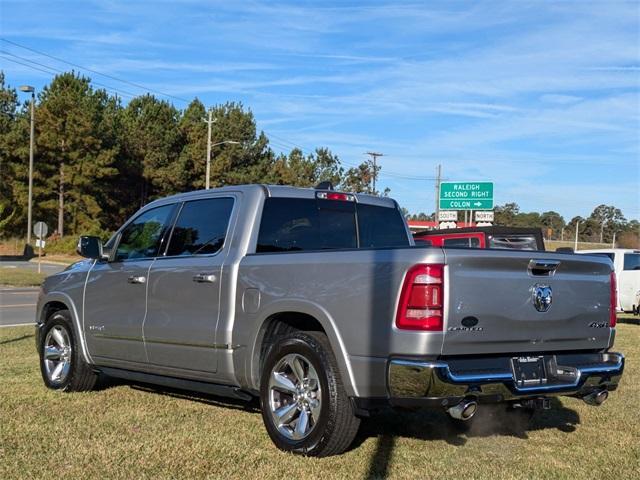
[(295, 396), (57, 354)]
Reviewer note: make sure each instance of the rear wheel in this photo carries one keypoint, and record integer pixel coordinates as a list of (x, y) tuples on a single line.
[(61, 362), (304, 406)]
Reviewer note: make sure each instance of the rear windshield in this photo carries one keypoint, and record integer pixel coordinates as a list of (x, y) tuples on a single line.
[(610, 256), (462, 242), (514, 242), (421, 242), (290, 224), (632, 261)]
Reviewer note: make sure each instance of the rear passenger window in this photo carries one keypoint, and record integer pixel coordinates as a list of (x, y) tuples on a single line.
[(201, 227), (381, 227), (514, 242), (290, 224), (632, 261), (465, 242), (421, 242)]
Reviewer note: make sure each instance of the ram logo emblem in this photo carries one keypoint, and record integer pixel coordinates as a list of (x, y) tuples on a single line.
[(542, 297)]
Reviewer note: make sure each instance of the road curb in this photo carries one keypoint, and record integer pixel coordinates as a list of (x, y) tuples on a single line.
[(49, 262), (9, 288)]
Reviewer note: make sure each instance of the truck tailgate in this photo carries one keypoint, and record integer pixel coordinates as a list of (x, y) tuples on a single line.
[(490, 306)]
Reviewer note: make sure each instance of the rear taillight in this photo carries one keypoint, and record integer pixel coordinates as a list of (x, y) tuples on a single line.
[(614, 300), (421, 299)]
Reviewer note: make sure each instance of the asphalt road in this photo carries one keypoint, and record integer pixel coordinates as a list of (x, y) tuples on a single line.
[(47, 268), (17, 306)]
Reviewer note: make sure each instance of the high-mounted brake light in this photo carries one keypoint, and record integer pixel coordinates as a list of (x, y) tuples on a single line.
[(614, 300), (345, 197), (422, 299)]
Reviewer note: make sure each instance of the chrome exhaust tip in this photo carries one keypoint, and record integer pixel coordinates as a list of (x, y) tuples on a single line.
[(596, 398), (463, 410)]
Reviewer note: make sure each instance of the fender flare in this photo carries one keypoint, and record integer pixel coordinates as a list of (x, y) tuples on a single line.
[(65, 299), (326, 321)]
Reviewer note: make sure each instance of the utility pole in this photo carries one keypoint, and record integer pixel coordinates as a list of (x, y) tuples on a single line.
[(575, 247), (438, 180), (375, 156), (209, 122), (32, 90)]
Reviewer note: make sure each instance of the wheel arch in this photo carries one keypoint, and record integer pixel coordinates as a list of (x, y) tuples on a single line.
[(56, 301), (303, 316)]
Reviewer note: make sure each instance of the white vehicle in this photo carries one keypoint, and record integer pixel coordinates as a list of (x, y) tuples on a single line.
[(626, 263)]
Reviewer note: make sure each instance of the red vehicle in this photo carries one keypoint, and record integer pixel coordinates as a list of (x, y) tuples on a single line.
[(482, 237)]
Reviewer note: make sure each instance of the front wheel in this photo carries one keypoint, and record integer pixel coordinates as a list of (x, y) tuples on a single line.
[(61, 362), (304, 406)]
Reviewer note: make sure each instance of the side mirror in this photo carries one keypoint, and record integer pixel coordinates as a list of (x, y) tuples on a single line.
[(90, 247)]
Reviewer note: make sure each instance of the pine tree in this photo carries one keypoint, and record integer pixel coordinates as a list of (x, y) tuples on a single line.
[(72, 158), (152, 144), (10, 209)]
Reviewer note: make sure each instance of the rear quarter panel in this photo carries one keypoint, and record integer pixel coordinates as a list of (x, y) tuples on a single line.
[(352, 293)]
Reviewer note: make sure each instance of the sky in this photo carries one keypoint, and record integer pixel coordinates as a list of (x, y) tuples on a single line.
[(540, 97)]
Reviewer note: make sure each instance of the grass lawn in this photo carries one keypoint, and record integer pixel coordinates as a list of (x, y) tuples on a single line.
[(20, 277), (551, 245), (127, 432)]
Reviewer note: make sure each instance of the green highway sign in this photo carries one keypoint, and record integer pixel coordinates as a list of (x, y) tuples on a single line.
[(466, 196)]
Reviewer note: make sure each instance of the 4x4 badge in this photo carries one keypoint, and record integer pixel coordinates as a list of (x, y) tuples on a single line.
[(542, 297)]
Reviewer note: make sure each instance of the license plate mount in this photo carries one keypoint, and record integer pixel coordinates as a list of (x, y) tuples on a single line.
[(529, 371)]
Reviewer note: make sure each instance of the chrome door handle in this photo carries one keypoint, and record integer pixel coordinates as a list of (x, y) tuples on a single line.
[(137, 279), (204, 278)]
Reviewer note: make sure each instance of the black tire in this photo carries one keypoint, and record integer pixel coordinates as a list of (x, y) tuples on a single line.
[(336, 425), (78, 376)]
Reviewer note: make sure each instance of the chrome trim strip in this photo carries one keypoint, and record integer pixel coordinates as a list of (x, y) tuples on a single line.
[(411, 378), (217, 346)]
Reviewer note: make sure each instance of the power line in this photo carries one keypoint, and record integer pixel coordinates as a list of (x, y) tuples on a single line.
[(287, 144), (284, 142), (375, 156), (112, 77), (55, 70), (30, 66)]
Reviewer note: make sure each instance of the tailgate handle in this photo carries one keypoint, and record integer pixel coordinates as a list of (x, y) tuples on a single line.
[(543, 267)]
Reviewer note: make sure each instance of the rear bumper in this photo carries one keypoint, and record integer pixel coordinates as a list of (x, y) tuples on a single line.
[(412, 382)]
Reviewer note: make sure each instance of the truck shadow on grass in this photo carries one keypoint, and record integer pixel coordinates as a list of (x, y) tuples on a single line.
[(434, 425), (17, 339), (252, 406), (389, 424), (491, 421), (635, 320)]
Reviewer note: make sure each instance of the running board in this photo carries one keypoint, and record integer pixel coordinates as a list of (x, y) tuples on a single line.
[(179, 383)]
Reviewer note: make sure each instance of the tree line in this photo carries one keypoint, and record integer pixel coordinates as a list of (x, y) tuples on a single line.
[(97, 160), (599, 227)]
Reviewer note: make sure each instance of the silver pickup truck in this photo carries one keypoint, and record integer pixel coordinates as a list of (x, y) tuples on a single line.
[(319, 303)]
